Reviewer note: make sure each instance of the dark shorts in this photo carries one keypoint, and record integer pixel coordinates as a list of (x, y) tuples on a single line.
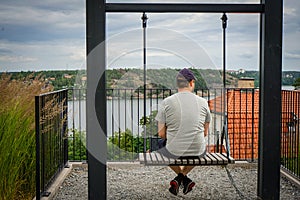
[(164, 151)]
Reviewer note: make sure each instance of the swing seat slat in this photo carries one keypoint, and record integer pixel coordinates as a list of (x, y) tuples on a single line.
[(155, 159)]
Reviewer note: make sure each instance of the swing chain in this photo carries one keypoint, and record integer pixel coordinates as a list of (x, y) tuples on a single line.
[(144, 18), (224, 21)]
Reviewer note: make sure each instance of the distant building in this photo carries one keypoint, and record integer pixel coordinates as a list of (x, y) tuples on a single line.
[(246, 83), (83, 78), (68, 76), (241, 71)]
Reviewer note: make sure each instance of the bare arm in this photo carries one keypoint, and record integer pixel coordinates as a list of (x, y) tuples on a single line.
[(162, 129), (206, 127)]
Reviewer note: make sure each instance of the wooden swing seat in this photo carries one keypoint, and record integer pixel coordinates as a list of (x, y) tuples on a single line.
[(156, 159)]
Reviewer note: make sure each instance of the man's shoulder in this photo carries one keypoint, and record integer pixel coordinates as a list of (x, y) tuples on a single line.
[(201, 98), (169, 98)]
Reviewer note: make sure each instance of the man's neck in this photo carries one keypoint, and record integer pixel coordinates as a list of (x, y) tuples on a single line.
[(186, 89)]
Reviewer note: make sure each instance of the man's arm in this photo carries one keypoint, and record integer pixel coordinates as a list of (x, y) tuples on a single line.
[(206, 127), (162, 129)]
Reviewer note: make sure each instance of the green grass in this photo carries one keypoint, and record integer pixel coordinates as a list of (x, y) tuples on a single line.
[(17, 138)]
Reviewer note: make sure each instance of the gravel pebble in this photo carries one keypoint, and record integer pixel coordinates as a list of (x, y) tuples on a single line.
[(133, 181)]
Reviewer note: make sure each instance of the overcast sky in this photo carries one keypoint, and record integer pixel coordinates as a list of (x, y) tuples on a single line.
[(50, 34)]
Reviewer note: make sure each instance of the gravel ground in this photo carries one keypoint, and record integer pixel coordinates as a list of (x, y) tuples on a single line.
[(134, 181)]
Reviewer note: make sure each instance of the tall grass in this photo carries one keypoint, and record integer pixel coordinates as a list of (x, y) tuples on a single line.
[(17, 137)]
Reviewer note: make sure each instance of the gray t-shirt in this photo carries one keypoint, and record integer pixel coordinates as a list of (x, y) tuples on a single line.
[(184, 114)]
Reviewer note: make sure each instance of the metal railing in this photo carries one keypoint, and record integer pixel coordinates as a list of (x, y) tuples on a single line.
[(126, 132), (77, 129), (243, 120), (125, 129), (51, 141), (290, 132)]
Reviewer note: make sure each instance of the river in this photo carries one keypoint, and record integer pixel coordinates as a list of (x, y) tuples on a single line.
[(120, 114)]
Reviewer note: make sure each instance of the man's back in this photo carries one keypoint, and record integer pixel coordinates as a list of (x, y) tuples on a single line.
[(184, 114)]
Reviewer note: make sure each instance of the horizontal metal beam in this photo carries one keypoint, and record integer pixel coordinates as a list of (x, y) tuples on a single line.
[(184, 8)]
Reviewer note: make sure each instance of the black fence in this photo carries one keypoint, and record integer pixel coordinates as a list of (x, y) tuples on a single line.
[(51, 138), (290, 132), (127, 109), (242, 108), (127, 135), (77, 128)]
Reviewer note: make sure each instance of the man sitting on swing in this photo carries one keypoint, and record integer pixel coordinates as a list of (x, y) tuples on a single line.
[(183, 121)]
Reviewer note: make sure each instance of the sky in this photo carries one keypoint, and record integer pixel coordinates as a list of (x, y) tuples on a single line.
[(51, 35)]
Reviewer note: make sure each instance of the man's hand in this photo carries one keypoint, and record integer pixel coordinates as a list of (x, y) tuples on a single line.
[(162, 129), (206, 128)]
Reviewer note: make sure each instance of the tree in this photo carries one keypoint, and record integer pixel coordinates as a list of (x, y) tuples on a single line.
[(151, 124), (121, 146), (297, 83)]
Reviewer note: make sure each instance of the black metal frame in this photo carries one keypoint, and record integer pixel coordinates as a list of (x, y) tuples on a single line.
[(270, 83), (51, 141), (184, 8)]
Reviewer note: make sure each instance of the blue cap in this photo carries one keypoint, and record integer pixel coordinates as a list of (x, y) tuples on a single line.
[(187, 74)]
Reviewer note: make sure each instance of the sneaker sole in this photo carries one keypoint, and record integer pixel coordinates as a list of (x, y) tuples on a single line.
[(174, 187), (190, 187)]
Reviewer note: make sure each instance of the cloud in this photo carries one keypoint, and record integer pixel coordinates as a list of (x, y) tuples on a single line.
[(56, 54), (47, 20), (16, 59), (51, 34), (47, 34), (292, 55)]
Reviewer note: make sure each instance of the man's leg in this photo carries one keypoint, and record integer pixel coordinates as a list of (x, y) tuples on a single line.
[(188, 184), (176, 182), (186, 169), (176, 169), (182, 169)]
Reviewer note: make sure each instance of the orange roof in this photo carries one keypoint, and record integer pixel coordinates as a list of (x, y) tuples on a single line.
[(243, 118), (239, 101)]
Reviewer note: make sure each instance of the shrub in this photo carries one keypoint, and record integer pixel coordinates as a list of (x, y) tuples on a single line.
[(17, 139), (77, 145)]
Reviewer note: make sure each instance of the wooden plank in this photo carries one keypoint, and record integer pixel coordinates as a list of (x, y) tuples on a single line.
[(231, 160), (178, 161), (160, 158), (208, 161), (148, 159), (225, 160), (141, 158), (192, 161), (220, 159), (202, 161), (167, 160), (155, 158), (214, 161), (184, 161), (172, 161), (196, 161)]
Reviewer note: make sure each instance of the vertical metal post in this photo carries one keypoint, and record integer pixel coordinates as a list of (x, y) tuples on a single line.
[(79, 125), (73, 122), (270, 100), (65, 126), (224, 26), (37, 148), (96, 99), (144, 22)]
